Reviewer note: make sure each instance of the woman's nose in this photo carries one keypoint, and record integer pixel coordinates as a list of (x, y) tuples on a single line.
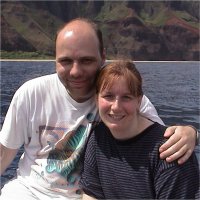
[(116, 104)]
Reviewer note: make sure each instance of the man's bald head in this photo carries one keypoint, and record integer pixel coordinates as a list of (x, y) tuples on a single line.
[(80, 24)]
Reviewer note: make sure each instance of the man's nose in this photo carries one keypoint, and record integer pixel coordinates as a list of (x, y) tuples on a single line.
[(75, 69)]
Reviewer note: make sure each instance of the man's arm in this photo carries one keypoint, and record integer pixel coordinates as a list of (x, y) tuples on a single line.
[(148, 110), (182, 139), (6, 157)]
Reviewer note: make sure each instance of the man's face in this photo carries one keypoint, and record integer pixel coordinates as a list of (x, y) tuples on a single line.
[(77, 60)]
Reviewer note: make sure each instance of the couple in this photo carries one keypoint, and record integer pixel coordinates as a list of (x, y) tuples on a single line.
[(53, 116)]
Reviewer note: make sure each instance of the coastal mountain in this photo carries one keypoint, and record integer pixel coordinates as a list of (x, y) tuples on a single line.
[(140, 30)]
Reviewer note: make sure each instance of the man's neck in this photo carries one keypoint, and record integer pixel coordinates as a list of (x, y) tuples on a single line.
[(81, 99)]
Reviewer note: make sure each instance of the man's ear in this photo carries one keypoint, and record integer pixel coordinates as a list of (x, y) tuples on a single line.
[(103, 57)]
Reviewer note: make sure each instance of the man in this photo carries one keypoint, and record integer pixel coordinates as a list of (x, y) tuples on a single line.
[(52, 116)]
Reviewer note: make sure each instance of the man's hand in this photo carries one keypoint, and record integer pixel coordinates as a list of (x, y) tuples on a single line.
[(180, 145)]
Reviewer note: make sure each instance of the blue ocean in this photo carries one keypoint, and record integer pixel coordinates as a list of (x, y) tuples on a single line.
[(173, 88)]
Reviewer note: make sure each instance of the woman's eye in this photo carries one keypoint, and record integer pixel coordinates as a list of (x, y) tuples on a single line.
[(108, 97), (127, 98)]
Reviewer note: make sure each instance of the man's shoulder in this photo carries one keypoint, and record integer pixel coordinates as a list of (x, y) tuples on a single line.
[(41, 80), (37, 84), (48, 77)]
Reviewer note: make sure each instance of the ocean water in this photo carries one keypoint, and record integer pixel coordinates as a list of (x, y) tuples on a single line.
[(173, 88)]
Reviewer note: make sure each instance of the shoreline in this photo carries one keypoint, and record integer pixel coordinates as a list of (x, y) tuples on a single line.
[(53, 60), (27, 60)]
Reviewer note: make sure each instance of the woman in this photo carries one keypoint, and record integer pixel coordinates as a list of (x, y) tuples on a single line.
[(122, 156)]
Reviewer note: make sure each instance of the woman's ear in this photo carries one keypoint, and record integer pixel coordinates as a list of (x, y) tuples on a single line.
[(139, 100)]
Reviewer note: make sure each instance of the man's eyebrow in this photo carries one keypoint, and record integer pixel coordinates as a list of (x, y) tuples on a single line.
[(87, 57), (80, 59), (64, 58)]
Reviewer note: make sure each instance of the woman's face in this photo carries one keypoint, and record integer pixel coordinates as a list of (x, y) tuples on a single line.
[(118, 108)]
